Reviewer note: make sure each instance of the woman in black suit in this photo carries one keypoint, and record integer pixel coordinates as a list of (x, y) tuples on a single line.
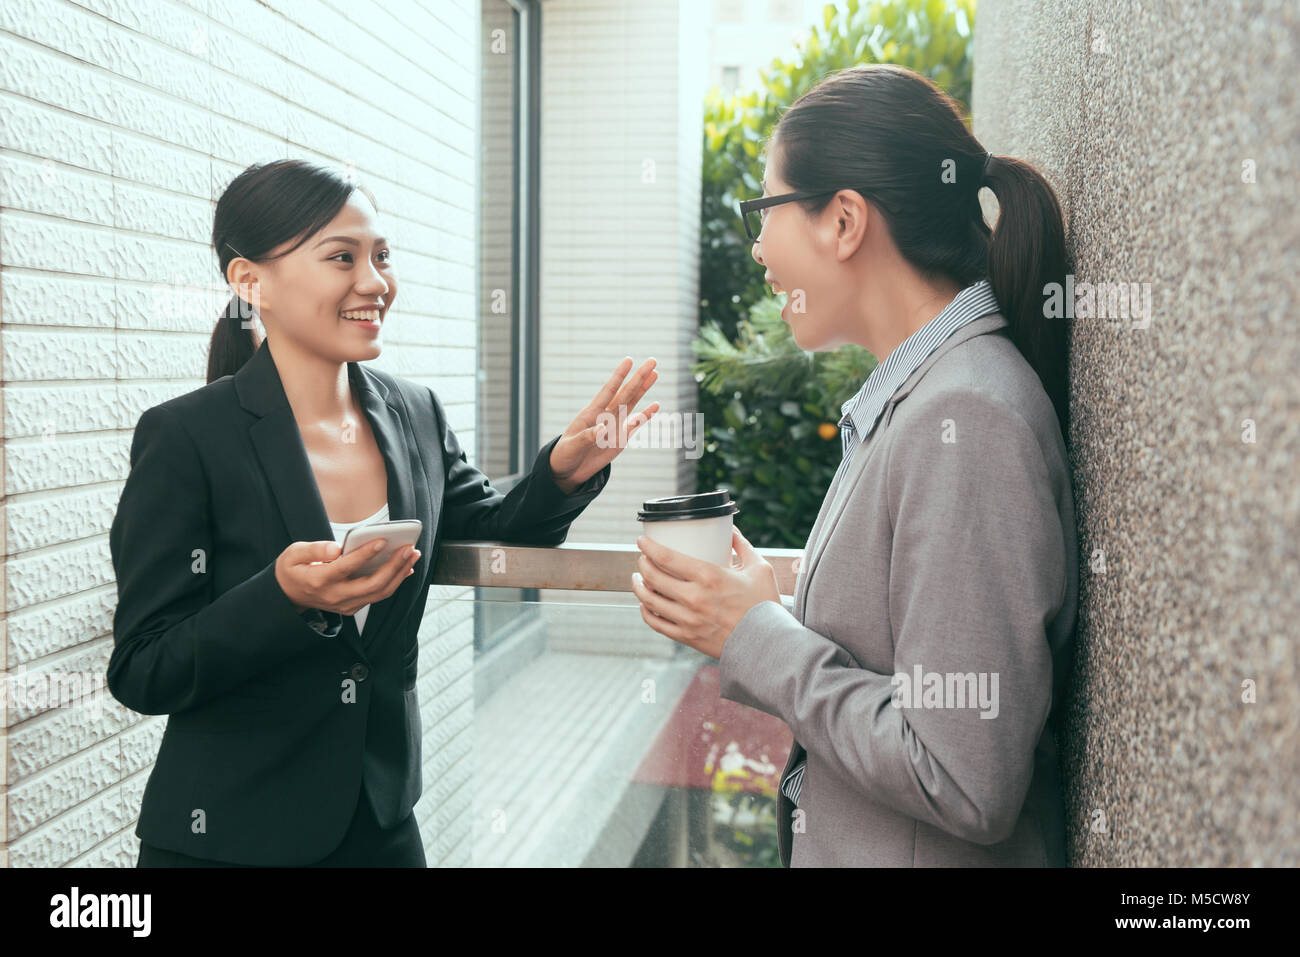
[(294, 734)]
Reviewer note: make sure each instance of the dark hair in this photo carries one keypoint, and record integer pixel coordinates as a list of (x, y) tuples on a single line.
[(887, 133), (264, 206)]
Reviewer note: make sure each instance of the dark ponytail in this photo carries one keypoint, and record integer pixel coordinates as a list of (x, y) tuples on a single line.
[(265, 206), (900, 141), (232, 344), (1026, 252)]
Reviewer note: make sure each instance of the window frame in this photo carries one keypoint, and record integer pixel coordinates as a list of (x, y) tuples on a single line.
[(525, 312)]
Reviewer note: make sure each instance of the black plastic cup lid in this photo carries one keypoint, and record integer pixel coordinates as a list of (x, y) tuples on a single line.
[(701, 505)]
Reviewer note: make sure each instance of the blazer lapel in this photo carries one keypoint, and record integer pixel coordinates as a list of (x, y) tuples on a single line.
[(283, 458), (842, 487)]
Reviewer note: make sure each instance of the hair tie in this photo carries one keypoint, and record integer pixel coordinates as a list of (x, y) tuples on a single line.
[(985, 171)]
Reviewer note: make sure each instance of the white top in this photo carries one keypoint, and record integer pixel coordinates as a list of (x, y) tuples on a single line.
[(340, 530)]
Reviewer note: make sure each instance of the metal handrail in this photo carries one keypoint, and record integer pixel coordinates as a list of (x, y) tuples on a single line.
[(582, 566)]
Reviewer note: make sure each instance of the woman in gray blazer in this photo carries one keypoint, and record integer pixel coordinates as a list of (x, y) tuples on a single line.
[(922, 661)]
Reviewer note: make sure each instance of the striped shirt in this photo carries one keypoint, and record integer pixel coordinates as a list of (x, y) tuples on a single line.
[(860, 414)]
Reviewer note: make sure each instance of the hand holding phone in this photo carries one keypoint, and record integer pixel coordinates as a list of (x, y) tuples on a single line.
[(320, 575)]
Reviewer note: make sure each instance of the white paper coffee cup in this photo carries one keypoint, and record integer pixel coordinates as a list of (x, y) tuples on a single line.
[(697, 525)]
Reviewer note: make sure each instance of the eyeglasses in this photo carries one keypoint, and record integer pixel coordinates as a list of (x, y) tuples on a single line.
[(754, 211)]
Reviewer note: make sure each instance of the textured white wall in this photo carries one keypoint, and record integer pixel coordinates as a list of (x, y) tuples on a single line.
[(120, 124)]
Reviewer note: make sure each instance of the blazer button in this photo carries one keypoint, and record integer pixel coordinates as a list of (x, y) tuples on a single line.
[(359, 671)]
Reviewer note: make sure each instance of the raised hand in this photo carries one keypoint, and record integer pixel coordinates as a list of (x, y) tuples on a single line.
[(588, 445)]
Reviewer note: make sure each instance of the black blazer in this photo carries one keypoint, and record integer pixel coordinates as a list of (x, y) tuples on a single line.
[(278, 719)]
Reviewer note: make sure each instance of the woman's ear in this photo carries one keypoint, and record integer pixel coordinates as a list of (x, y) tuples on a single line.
[(851, 220), (243, 280)]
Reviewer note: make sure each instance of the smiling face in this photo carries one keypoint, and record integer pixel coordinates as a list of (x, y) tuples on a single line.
[(342, 271), (810, 258)]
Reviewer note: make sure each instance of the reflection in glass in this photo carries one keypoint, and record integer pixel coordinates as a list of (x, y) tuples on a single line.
[(596, 758)]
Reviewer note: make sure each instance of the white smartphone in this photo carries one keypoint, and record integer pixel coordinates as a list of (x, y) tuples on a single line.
[(397, 534)]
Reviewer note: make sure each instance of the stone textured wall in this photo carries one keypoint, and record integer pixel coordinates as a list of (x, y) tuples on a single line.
[(1171, 133)]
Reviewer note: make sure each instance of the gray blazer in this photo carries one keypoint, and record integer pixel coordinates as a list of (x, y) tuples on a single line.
[(946, 546)]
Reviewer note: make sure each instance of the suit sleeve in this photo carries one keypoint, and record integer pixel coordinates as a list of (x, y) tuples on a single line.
[(977, 571), (536, 511), (176, 644)]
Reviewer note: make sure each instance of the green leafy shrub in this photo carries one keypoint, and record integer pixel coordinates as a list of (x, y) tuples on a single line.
[(776, 442)]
